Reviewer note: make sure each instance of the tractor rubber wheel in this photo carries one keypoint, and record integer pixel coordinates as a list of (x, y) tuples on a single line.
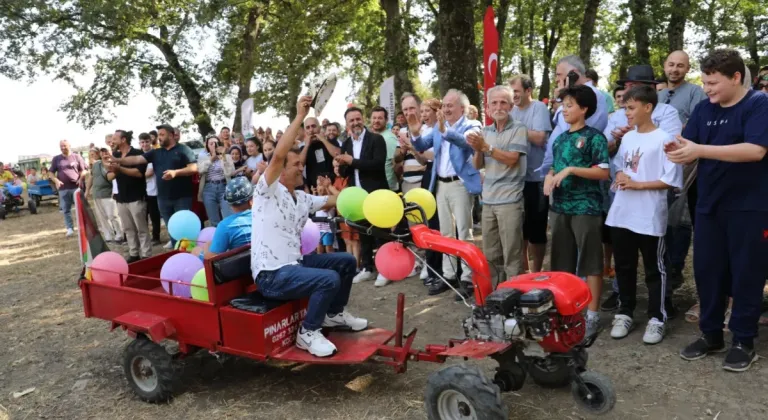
[(32, 206), (3, 212), (37, 199), (550, 372), (601, 396), (463, 393), (150, 370)]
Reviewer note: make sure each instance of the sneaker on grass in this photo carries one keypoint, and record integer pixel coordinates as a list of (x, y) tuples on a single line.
[(622, 325), (703, 346), (654, 332), (363, 275), (739, 358)]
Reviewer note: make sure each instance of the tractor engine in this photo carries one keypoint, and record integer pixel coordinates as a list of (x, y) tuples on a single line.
[(514, 315)]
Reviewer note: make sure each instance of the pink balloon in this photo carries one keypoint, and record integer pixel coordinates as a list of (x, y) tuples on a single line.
[(181, 267), (310, 237), (107, 267), (394, 261), (206, 235)]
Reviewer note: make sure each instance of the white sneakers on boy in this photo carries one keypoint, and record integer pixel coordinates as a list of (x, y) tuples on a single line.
[(654, 332), (424, 273), (381, 281), (363, 275), (315, 343), (70, 232), (345, 320), (622, 325)]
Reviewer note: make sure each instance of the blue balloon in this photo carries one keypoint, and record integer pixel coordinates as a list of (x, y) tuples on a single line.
[(15, 190), (184, 224)]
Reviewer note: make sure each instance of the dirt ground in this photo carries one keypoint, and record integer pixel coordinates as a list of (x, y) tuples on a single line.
[(74, 364)]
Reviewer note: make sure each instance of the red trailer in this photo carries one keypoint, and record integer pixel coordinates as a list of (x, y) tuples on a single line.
[(530, 325)]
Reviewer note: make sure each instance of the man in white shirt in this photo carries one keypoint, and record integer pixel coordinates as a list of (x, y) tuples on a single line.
[(280, 212), (454, 178)]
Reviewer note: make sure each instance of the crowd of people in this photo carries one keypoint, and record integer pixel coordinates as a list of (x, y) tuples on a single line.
[(607, 175)]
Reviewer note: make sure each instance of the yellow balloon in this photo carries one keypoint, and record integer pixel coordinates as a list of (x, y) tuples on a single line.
[(383, 208), (423, 198)]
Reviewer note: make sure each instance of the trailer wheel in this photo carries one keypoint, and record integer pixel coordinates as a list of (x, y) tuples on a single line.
[(3, 212), (598, 395), (32, 206), (463, 393), (150, 370)]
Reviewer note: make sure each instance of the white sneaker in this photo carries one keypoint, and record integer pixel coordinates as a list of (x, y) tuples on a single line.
[(169, 245), (315, 343), (424, 273), (70, 232), (345, 320), (381, 281), (622, 325), (363, 275), (654, 332)]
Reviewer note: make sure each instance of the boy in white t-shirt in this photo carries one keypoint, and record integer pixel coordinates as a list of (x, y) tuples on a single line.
[(638, 215)]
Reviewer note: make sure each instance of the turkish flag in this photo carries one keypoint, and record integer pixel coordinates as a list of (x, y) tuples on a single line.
[(490, 56)]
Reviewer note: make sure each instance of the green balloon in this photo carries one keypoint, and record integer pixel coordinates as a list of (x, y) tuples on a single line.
[(199, 293), (350, 203)]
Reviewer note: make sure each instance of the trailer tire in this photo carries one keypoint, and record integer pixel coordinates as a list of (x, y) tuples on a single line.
[(3, 212), (551, 372), (459, 392), (150, 370), (32, 206)]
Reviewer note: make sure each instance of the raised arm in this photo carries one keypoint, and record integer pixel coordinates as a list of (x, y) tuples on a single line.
[(277, 163)]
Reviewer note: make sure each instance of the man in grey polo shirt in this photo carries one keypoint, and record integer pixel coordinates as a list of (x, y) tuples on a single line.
[(501, 149), (534, 115)]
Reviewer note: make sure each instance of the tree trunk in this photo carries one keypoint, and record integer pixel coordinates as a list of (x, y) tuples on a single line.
[(247, 63), (549, 44), (201, 117), (623, 61), (749, 22), (531, 34), (519, 35), (501, 26), (676, 28), (397, 58), (588, 24), (457, 62), (642, 25)]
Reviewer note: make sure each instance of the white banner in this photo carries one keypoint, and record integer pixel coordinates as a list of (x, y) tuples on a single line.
[(387, 98), (246, 114)]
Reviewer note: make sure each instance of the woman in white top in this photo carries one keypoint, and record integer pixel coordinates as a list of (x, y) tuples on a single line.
[(215, 168)]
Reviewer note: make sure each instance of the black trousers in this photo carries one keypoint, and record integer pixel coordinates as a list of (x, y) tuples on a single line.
[(153, 212), (626, 244)]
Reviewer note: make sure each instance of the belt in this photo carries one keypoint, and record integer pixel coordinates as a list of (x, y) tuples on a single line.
[(219, 181), (448, 179)]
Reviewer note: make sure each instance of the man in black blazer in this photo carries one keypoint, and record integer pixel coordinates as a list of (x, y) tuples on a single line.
[(362, 160)]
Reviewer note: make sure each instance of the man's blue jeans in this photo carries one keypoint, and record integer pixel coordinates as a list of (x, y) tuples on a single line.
[(66, 201), (167, 207), (325, 278)]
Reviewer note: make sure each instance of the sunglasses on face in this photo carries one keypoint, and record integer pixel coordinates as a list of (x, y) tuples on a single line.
[(670, 94)]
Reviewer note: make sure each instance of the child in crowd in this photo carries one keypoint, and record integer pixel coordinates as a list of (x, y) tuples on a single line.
[(580, 163), (237, 158), (254, 156), (638, 215), (326, 236), (729, 136), (351, 238), (267, 148)]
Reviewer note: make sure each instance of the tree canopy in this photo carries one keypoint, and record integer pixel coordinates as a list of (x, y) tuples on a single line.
[(201, 59)]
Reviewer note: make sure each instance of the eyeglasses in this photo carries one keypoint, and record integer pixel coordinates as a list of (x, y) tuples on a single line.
[(670, 94)]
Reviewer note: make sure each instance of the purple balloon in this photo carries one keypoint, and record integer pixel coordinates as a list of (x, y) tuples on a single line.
[(310, 237), (206, 235), (181, 267)]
